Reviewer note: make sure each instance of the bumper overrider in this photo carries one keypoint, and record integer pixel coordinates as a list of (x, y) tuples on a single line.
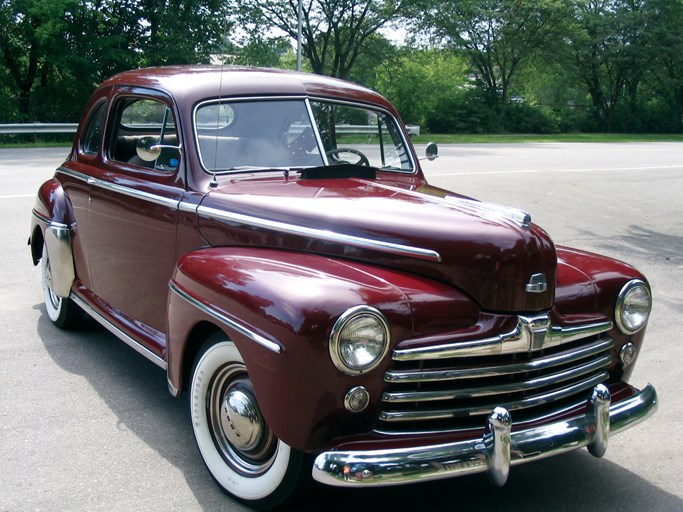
[(495, 452)]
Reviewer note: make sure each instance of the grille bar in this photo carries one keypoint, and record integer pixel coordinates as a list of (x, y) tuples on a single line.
[(530, 334), (569, 356), (530, 401), (536, 370), (481, 391)]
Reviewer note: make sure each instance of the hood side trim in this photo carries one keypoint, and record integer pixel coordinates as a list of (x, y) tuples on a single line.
[(320, 234)]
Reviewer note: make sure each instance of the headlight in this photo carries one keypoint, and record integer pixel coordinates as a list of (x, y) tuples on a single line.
[(633, 306), (359, 340)]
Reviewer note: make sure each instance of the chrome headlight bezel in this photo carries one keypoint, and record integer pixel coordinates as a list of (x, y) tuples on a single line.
[(339, 340), (634, 290)]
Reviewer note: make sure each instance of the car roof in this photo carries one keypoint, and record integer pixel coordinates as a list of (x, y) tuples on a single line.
[(195, 83)]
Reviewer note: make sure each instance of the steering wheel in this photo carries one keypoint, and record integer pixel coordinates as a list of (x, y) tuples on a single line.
[(334, 155)]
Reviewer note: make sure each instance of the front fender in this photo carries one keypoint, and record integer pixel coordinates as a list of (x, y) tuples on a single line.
[(278, 308), (50, 224)]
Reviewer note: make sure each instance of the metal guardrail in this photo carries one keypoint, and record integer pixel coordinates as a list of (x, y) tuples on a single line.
[(36, 128)]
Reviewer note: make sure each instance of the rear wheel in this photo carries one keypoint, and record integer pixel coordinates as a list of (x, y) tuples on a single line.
[(63, 312), (239, 449)]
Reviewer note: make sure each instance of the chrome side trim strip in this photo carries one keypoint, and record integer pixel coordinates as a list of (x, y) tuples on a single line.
[(526, 336), (570, 356), (127, 191), (136, 194), (48, 221), (270, 345), (321, 234), (371, 468), (131, 342)]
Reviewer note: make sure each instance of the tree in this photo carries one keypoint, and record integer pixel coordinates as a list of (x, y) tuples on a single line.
[(498, 36), (334, 32), (664, 38), (420, 82), (56, 51), (609, 52), (31, 33)]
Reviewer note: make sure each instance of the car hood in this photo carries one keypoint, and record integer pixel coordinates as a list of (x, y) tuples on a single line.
[(488, 251)]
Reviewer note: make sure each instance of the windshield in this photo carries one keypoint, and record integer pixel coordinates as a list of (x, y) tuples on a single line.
[(281, 134)]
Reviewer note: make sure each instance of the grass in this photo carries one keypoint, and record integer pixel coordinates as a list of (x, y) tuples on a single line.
[(565, 137)]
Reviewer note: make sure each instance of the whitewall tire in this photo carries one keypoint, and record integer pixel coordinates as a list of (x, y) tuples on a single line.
[(63, 312), (238, 447)]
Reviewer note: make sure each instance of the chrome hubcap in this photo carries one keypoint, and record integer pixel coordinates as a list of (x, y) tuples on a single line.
[(239, 431), (240, 419)]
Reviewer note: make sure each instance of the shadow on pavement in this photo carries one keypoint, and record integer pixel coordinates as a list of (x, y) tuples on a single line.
[(135, 391)]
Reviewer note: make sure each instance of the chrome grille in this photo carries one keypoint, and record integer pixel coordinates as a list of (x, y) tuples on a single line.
[(454, 393)]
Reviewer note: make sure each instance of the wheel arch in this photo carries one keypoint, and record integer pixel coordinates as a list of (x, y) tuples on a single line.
[(278, 308), (51, 224)]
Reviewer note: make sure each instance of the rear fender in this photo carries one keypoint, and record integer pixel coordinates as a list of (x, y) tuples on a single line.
[(278, 308), (51, 226)]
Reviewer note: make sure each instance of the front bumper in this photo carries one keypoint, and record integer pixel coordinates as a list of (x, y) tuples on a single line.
[(495, 452)]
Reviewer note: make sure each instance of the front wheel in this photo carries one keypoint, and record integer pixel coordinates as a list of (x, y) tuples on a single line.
[(63, 312), (239, 449)]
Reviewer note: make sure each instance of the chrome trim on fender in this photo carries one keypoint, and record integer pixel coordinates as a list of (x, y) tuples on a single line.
[(270, 345), (321, 234), (530, 334), (57, 238), (131, 342), (488, 453)]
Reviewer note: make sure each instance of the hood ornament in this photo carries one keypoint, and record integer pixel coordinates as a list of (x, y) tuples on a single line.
[(537, 284)]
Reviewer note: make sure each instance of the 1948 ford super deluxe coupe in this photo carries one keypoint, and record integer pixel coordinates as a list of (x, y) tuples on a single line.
[(269, 239)]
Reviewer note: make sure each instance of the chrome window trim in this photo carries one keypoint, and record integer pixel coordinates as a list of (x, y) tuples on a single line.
[(232, 100), (376, 108), (307, 100), (128, 340), (321, 234), (270, 345)]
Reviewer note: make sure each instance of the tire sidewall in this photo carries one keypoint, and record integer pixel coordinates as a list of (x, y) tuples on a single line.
[(55, 312), (254, 488)]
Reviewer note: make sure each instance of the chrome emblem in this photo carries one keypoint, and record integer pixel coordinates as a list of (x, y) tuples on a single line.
[(537, 284), (534, 330)]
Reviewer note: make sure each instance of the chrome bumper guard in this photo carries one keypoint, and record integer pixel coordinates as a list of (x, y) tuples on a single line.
[(495, 452)]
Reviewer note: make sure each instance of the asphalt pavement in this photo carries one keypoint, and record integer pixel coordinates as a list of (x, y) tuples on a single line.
[(86, 424)]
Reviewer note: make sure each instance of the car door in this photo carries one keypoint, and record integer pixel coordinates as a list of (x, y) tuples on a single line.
[(133, 214)]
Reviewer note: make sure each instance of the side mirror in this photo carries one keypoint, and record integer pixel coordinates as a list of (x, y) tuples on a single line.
[(432, 151), (149, 149)]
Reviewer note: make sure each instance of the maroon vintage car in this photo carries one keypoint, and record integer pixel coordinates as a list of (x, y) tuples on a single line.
[(269, 239)]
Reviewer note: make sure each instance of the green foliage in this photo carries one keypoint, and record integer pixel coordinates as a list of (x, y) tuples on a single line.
[(476, 66), (54, 52), (335, 33), (420, 82)]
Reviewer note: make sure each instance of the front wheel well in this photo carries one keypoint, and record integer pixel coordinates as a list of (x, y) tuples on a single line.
[(195, 340), (36, 242)]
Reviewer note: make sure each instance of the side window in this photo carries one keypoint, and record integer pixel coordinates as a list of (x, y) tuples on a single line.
[(146, 122), (90, 143)]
